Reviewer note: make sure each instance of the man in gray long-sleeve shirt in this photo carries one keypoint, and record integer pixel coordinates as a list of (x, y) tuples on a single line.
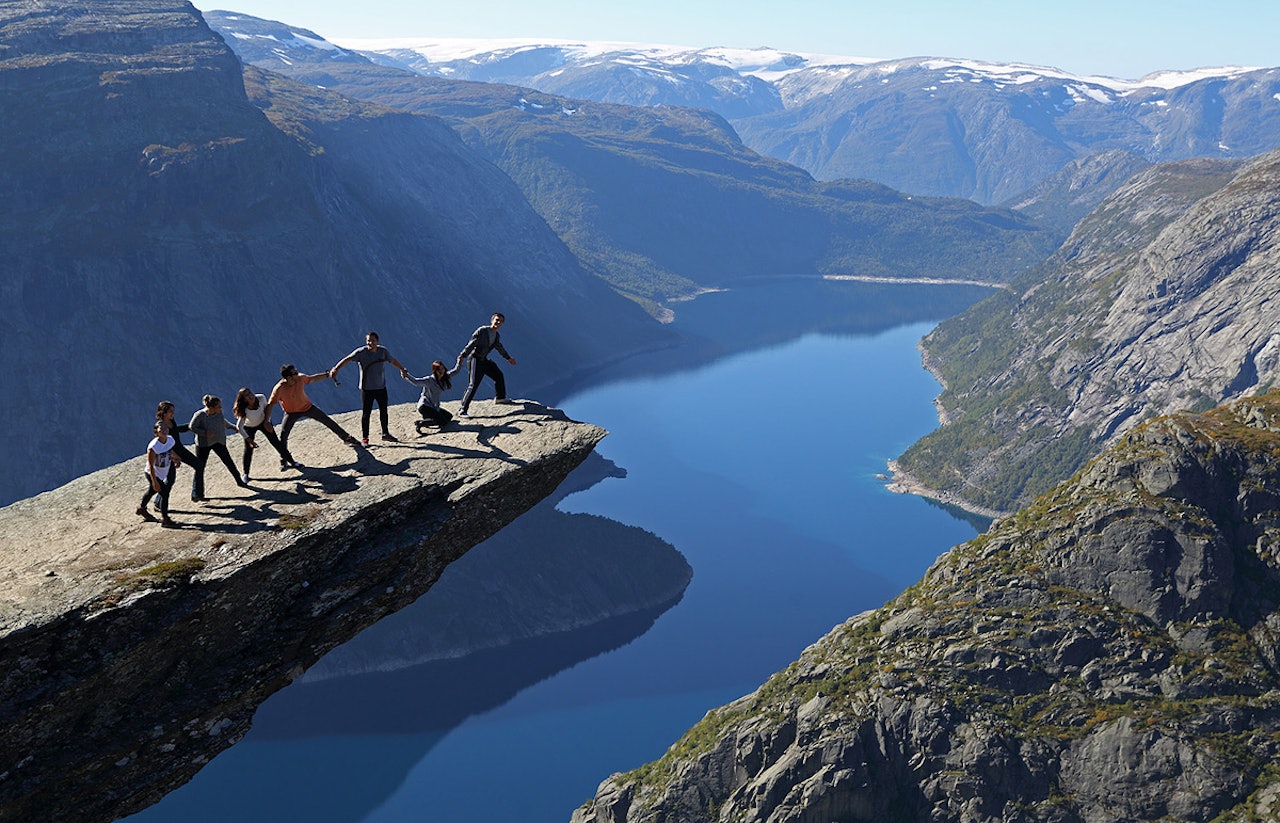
[(476, 352)]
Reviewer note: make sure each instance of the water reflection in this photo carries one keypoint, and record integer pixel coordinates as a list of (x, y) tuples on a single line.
[(768, 312)]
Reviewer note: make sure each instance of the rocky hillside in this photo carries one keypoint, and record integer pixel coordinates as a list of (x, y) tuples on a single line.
[(165, 236), (133, 654), (1162, 299), (663, 202), (1065, 197), (1109, 653)]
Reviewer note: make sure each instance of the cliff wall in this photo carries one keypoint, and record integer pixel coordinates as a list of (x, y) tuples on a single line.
[(1163, 299), (131, 654)]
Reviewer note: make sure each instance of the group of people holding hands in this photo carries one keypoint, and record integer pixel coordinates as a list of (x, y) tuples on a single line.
[(252, 413)]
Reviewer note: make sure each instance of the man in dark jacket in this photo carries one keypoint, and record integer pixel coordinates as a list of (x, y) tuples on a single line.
[(476, 353)]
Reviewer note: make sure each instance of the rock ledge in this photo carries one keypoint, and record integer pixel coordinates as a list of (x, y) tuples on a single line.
[(131, 654)]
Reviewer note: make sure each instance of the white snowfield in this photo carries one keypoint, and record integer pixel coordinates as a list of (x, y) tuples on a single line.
[(768, 64)]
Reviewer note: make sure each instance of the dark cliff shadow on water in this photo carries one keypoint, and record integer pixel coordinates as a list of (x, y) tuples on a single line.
[(337, 743), (336, 750), (431, 698), (769, 312)]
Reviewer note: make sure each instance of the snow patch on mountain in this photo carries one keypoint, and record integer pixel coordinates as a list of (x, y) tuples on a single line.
[(766, 63)]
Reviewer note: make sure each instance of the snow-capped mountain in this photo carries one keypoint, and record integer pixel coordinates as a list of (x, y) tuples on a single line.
[(927, 125), (986, 131)]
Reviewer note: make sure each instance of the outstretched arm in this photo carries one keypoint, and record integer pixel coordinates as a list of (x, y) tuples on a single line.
[(333, 372)]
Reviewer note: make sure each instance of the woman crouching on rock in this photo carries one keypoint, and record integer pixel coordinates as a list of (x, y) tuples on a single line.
[(250, 411), (433, 386)]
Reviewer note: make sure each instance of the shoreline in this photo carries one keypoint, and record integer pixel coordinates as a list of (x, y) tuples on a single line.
[(900, 482)]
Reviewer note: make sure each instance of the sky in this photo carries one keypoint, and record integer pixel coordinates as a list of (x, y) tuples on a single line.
[(1120, 38)]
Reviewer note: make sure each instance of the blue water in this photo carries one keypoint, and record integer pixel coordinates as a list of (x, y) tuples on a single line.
[(761, 469)]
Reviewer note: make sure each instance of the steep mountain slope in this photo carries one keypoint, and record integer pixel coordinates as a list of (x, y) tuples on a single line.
[(1070, 193), (931, 126), (1162, 299), (662, 202), (1107, 654), (164, 238)]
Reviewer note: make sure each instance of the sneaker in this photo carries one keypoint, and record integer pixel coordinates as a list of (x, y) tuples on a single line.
[(144, 514), (364, 441), (167, 523), (389, 438), (196, 498), (355, 444), (420, 425), (284, 464), (502, 401), (245, 480), (295, 464), (463, 413)]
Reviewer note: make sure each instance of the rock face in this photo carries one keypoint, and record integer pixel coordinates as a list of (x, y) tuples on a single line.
[(133, 654), (1164, 298), (166, 236), (1110, 653)]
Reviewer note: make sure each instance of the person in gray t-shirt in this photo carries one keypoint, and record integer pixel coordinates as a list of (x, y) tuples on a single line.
[(372, 358)]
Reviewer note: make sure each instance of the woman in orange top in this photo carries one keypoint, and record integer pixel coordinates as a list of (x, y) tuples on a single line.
[(291, 394)]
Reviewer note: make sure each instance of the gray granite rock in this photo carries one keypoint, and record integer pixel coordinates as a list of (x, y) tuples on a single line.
[(132, 654)]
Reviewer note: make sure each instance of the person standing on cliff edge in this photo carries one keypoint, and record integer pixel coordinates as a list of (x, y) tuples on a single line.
[(162, 459), (476, 353), (372, 357), (291, 394)]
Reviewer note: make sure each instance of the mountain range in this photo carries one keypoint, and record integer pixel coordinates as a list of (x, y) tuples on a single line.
[(924, 125), (664, 202)]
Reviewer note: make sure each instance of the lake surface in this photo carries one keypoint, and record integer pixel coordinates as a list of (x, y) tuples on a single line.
[(755, 452)]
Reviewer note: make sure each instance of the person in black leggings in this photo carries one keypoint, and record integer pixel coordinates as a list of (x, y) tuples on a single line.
[(250, 411), (210, 429)]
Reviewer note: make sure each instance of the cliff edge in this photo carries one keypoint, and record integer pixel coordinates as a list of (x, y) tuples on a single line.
[(132, 654), (1111, 652)]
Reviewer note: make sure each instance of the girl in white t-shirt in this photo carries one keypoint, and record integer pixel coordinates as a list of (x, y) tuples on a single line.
[(161, 461)]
